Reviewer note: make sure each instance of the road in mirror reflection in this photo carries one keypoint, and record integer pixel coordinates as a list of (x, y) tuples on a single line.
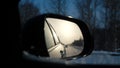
[(63, 38)]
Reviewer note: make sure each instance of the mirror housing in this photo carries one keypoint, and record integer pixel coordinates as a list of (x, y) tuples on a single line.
[(33, 36)]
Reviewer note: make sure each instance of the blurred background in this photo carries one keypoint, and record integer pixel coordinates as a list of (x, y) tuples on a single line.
[(102, 17)]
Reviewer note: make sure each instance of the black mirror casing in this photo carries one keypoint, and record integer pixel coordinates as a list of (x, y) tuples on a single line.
[(33, 34)]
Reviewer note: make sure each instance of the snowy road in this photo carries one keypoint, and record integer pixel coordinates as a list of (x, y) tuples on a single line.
[(70, 51)]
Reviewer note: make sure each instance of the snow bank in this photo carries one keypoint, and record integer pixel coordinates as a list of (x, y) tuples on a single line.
[(99, 57)]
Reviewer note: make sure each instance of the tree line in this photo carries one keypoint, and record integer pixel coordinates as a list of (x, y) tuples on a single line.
[(105, 38)]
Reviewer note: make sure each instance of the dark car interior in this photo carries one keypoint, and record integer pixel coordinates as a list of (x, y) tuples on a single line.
[(19, 54)]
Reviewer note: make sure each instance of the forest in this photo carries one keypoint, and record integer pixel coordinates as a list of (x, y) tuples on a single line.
[(101, 16)]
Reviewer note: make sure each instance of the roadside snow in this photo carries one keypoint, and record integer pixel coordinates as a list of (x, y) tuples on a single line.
[(98, 57)]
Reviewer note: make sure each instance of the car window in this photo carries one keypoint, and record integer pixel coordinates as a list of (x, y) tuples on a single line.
[(101, 16)]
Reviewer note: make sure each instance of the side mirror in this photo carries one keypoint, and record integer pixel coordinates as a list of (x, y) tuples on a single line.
[(56, 36), (63, 38)]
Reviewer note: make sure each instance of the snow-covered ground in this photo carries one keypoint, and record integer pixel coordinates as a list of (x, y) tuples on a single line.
[(96, 57), (99, 57)]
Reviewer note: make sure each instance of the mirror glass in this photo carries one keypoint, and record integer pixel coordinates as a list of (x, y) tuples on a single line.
[(63, 38)]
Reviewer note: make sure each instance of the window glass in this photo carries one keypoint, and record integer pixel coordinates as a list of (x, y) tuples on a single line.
[(102, 17)]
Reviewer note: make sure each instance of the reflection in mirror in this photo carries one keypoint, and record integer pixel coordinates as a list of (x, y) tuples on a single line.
[(63, 38)]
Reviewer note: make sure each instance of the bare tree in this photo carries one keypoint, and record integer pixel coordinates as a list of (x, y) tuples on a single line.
[(94, 14), (112, 21), (79, 8), (86, 12), (58, 6), (27, 11)]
